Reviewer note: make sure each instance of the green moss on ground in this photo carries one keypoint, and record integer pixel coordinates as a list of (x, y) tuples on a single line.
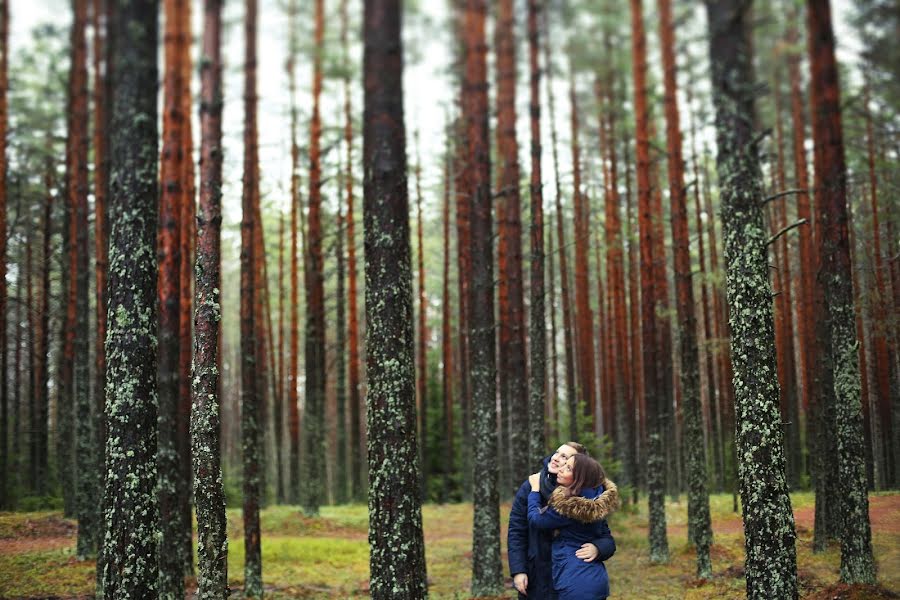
[(327, 556)]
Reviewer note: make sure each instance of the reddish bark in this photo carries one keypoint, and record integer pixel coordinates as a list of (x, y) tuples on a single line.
[(356, 441), (584, 337)]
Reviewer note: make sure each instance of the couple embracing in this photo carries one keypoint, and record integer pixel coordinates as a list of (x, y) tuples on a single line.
[(558, 537)]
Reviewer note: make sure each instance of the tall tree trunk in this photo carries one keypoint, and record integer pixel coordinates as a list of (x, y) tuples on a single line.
[(172, 487), (341, 472), (251, 422), (881, 412), (4, 403), (185, 309), (314, 356), (294, 353), (654, 393), (584, 337), (771, 563), (787, 368), (449, 460), (636, 357), (40, 433), (486, 569), (397, 560), (209, 493), (279, 368), (834, 277), (537, 382), (568, 326), (130, 568), (421, 331), (358, 487), (85, 451), (512, 356), (698, 495)]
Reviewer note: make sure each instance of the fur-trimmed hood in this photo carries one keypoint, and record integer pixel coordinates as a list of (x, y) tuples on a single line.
[(587, 510)]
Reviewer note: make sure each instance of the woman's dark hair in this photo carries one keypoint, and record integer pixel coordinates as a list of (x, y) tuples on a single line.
[(586, 473)]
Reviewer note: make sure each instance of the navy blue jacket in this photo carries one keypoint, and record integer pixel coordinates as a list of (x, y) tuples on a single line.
[(574, 579), (529, 548)]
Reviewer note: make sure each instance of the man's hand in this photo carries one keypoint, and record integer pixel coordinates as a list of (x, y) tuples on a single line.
[(587, 552), (520, 582), (535, 481)]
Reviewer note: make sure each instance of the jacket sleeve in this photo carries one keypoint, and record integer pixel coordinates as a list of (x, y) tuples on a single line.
[(549, 519), (517, 534), (604, 541)]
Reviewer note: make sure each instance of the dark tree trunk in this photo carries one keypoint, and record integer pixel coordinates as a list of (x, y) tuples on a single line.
[(397, 558), (654, 393), (537, 382), (450, 463), (40, 471), (251, 415), (209, 494), (771, 563), (834, 279), (4, 404), (698, 495), (314, 356), (130, 568), (421, 333), (341, 471), (486, 569), (293, 495)]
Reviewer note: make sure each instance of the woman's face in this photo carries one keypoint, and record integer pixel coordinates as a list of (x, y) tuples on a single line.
[(560, 457), (566, 473)]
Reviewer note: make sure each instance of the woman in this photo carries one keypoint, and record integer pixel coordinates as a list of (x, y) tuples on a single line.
[(578, 508)]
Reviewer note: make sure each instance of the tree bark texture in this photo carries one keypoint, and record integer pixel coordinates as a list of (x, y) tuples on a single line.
[(172, 486), (397, 557), (698, 495), (4, 377), (537, 381), (314, 411), (209, 493), (771, 560), (486, 569), (834, 277), (251, 394), (130, 568), (654, 393)]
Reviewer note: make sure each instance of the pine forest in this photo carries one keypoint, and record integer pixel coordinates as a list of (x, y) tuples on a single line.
[(535, 299)]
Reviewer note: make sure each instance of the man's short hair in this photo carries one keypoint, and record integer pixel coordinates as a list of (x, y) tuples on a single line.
[(579, 448)]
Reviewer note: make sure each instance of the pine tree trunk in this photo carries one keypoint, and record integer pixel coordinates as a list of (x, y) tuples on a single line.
[(172, 487), (486, 569), (698, 496), (358, 486), (293, 495), (449, 460), (771, 560), (342, 473), (422, 333), (130, 568), (251, 394), (834, 278), (568, 327), (209, 494), (40, 470), (584, 338), (4, 377), (537, 382), (85, 452), (397, 558), (654, 393), (881, 412), (314, 356)]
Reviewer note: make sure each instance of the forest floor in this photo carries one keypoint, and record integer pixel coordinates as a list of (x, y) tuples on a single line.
[(327, 556)]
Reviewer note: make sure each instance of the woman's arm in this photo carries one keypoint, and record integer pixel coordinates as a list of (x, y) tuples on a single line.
[(547, 519)]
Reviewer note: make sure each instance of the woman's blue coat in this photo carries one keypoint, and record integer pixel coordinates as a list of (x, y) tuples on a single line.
[(574, 579), (529, 547)]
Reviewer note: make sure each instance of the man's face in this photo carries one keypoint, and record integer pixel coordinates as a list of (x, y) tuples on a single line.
[(559, 458)]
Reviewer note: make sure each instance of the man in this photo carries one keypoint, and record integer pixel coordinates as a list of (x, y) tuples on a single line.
[(529, 548)]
